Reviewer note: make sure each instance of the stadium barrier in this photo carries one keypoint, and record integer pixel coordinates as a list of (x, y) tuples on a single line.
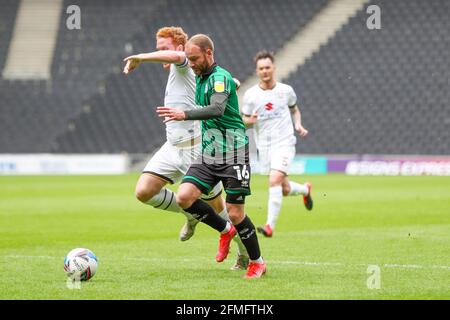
[(376, 165), (401, 165), (37, 164)]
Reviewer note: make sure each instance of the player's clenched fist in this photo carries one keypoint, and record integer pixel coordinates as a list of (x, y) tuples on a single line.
[(301, 130), (132, 62)]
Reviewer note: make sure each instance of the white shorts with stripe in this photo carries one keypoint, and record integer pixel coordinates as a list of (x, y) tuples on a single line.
[(276, 158)]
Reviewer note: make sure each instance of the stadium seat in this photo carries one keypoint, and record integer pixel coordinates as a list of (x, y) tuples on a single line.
[(388, 80), (363, 92)]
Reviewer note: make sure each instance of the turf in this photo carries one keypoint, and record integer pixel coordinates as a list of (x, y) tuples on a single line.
[(400, 224)]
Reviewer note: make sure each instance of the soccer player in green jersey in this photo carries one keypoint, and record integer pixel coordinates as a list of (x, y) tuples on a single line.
[(225, 154)]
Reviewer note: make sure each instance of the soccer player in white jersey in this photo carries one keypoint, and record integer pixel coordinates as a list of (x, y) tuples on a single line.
[(272, 108), (172, 160)]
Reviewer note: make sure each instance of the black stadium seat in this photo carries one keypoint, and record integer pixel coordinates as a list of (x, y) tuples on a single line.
[(382, 91)]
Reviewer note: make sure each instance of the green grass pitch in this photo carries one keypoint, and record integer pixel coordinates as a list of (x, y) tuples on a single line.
[(400, 224)]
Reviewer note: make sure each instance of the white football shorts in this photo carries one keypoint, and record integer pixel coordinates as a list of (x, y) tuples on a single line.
[(276, 158), (171, 163)]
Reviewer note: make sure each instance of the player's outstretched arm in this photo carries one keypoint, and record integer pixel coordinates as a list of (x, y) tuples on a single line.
[(162, 56), (297, 118), (215, 110)]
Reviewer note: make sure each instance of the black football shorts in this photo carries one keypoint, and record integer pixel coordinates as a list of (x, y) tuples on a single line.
[(235, 179)]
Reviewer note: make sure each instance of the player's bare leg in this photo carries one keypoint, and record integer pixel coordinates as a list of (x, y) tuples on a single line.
[(150, 190), (247, 233), (188, 198)]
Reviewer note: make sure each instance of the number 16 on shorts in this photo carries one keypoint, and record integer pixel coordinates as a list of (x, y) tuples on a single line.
[(243, 174)]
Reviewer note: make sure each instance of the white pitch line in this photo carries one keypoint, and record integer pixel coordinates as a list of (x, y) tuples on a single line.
[(310, 263), (305, 263), (29, 257), (415, 266), (405, 266)]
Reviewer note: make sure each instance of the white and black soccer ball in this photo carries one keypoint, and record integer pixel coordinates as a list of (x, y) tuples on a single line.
[(80, 264)]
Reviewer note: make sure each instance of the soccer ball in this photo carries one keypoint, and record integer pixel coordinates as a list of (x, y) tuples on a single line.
[(80, 264)]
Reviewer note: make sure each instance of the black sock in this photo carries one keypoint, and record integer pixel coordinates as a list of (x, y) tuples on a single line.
[(203, 212), (247, 233)]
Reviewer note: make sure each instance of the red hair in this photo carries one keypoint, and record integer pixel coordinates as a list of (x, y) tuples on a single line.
[(176, 33)]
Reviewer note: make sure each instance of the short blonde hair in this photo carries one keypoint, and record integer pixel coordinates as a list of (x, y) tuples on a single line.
[(176, 33)]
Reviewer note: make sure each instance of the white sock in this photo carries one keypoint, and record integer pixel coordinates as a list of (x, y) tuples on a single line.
[(275, 199), (242, 251), (224, 214), (165, 200), (297, 188), (227, 228), (259, 260)]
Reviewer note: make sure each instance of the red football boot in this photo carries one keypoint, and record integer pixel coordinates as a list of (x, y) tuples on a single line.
[(255, 270), (224, 244), (307, 200), (266, 230)]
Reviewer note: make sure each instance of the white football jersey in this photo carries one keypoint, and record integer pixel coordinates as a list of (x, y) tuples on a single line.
[(274, 126), (180, 93)]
